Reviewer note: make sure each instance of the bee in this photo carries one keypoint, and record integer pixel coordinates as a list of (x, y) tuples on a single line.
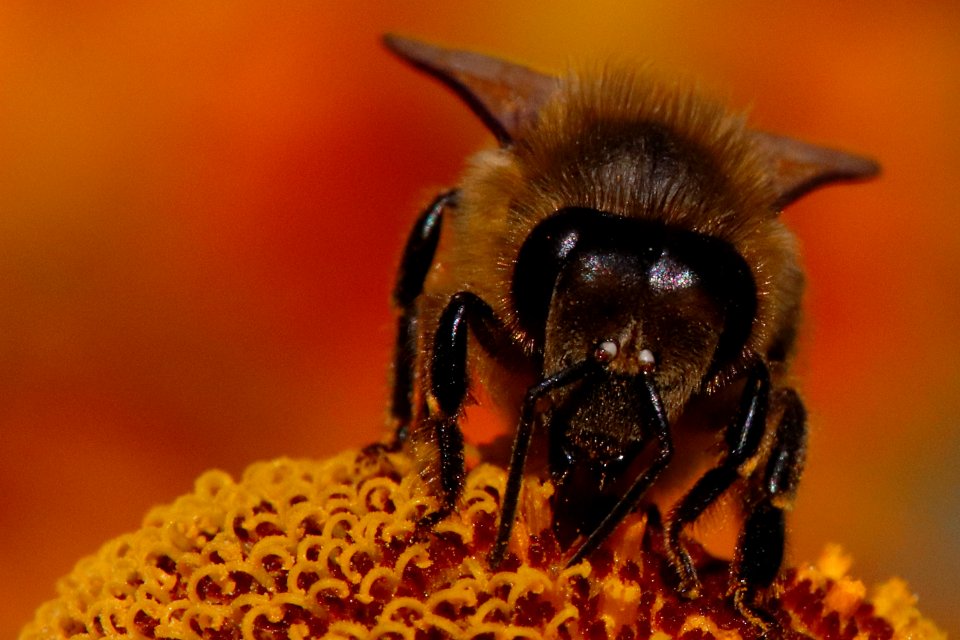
[(616, 274)]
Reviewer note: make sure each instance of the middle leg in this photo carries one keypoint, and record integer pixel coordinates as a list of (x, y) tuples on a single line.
[(449, 384), (742, 441)]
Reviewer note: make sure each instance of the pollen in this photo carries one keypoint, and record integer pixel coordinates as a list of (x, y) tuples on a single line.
[(331, 549)]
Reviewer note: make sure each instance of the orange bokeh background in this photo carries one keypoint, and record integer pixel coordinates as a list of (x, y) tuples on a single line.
[(203, 203)]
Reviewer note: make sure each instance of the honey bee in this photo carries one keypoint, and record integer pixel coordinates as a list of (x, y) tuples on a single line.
[(616, 273)]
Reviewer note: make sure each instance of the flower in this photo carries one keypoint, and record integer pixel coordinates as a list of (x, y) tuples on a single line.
[(302, 549)]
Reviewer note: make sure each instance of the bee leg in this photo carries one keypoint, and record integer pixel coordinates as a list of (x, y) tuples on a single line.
[(521, 446), (761, 544), (449, 384), (742, 440), (414, 266), (658, 419)]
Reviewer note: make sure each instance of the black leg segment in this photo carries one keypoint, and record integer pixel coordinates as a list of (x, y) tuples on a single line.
[(521, 446), (786, 460), (760, 548), (417, 258), (742, 439), (657, 417), (449, 383)]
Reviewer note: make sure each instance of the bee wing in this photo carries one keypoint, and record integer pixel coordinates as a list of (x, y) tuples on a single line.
[(796, 168), (506, 96)]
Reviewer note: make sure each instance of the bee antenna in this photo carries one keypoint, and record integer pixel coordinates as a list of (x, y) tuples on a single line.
[(796, 168), (506, 96)]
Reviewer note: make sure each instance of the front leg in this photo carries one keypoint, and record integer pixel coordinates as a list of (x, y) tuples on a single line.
[(631, 498), (521, 447)]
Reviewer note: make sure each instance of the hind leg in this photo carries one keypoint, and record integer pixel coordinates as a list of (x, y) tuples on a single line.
[(417, 258)]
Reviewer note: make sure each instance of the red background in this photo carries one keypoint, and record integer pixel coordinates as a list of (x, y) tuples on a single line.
[(201, 206)]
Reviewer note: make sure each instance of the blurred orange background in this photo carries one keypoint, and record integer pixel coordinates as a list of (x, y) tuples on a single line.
[(202, 204)]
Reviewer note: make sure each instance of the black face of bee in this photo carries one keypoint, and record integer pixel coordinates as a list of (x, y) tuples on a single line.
[(585, 278)]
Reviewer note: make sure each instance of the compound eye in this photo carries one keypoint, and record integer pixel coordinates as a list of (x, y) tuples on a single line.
[(606, 351)]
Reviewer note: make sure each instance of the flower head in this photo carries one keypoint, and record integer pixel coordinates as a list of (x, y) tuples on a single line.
[(309, 549)]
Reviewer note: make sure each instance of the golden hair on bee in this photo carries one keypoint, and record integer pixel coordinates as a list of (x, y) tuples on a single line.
[(615, 268)]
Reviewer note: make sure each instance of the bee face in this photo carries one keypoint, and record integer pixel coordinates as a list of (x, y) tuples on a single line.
[(623, 248), (652, 293)]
